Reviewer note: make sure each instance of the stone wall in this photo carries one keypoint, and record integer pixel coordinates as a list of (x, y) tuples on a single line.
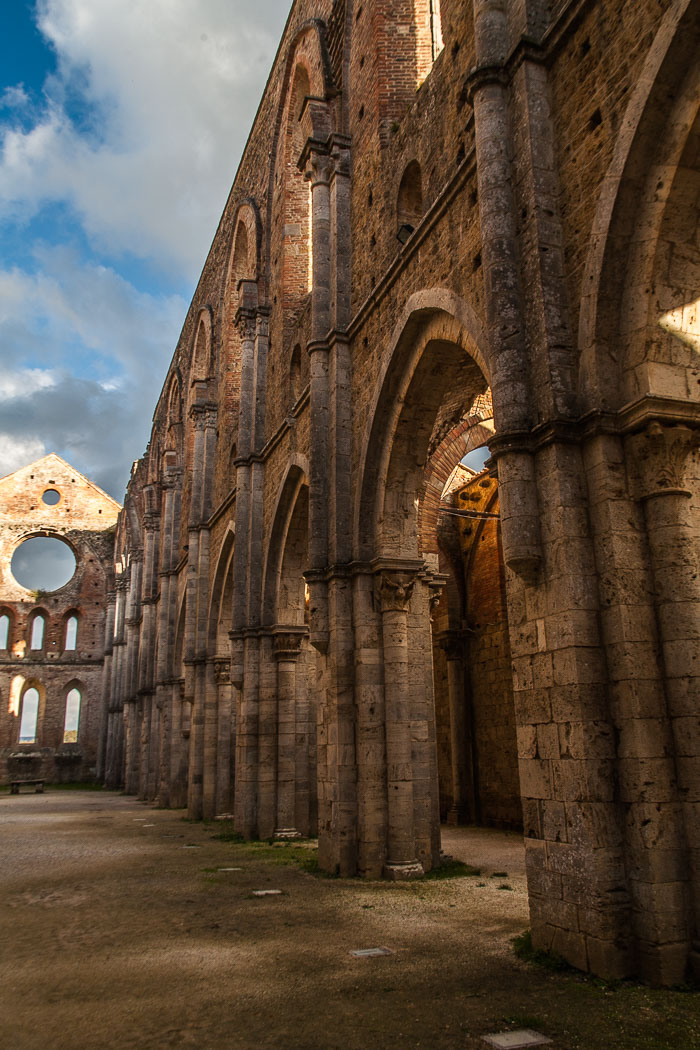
[(83, 517), (541, 170)]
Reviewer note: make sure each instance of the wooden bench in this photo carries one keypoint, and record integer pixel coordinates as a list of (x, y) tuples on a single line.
[(15, 785)]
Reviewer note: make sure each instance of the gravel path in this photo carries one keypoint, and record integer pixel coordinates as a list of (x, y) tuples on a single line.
[(119, 928)]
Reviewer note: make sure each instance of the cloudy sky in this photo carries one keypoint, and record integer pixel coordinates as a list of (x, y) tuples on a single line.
[(121, 126)]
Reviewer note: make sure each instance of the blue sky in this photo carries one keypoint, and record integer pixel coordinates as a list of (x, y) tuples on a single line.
[(121, 126)]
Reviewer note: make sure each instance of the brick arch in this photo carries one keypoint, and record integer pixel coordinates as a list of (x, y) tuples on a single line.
[(470, 433), (294, 481), (436, 343), (630, 210), (220, 613), (245, 261), (202, 347)]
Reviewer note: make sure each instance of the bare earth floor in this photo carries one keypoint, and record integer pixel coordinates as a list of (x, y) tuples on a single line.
[(118, 929)]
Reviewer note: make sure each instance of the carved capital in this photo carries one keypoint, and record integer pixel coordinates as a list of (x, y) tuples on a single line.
[(246, 323), (393, 591), (657, 459), (222, 670), (287, 644), (203, 415), (318, 166)]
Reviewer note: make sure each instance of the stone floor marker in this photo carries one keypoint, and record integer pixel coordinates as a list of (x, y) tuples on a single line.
[(367, 953), (513, 1040)]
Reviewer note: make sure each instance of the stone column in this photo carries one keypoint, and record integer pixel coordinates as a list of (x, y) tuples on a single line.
[(657, 459), (167, 614), (371, 738), (393, 593), (287, 647), (106, 686), (464, 795), (318, 172), (245, 691), (179, 738), (226, 735)]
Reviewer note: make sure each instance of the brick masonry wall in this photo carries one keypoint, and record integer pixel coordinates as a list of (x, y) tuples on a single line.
[(85, 518)]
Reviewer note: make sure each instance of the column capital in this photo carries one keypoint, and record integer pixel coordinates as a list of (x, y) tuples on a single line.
[(316, 163), (287, 642), (222, 670), (246, 321), (393, 590), (657, 459)]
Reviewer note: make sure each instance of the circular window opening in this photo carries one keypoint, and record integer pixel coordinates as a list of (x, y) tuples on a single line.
[(51, 496), (43, 563)]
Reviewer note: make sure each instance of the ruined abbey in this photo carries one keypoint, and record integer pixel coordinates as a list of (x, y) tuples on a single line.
[(416, 535)]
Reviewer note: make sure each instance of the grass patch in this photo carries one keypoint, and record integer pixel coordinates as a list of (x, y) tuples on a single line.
[(524, 949), (452, 869)]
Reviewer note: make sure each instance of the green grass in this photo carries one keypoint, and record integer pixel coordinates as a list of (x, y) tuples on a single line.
[(523, 948), (452, 869)]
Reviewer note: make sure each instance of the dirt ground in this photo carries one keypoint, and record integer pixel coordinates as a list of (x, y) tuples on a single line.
[(121, 928)]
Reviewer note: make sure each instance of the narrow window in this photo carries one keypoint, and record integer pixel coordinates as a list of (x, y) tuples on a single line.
[(295, 373), (37, 641), (435, 28), (71, 633), (70, 727), (4, 631), (409, 204), (30, 713)]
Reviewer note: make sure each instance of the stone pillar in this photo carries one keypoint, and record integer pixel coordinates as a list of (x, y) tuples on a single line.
[(167, 615), (371, 742), (657, 459), (225, 735), (106, 686), (393, 593), (204, 415), (287, 647), (245, 675), (509, 357), (179, 738), (464, 808), (245, 689), (318, 172)]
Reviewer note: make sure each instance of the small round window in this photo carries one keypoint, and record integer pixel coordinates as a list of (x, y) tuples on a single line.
[(43, 563), (51, 497)]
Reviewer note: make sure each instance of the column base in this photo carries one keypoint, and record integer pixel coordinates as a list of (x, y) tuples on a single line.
[(402, 872), (694, 961), (286, 833)]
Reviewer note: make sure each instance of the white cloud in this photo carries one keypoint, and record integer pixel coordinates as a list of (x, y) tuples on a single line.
[(162, 95), (17, 452), (24, 382), (108, 347)]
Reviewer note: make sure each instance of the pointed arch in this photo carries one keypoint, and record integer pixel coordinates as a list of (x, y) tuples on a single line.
[(618, 289), (433, 373), (295, 480), (220, 605)]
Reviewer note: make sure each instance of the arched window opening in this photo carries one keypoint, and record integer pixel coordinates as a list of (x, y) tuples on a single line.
[(30, 716), (240, 255), (295, 373), (37, 636), (72, 721), (296, 277), (201, 363), (409, 204), (71, 633), (4, 631)]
